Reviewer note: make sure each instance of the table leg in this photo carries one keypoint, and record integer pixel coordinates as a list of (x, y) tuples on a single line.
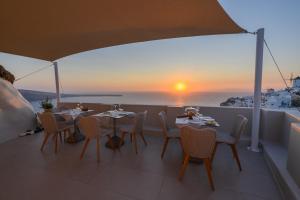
[(115, 139), (115, 126), (196, 160)]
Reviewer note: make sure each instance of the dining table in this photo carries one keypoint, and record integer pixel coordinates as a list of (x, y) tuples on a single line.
[(73, 113), (197, 121), (115, 115), (72, 116)]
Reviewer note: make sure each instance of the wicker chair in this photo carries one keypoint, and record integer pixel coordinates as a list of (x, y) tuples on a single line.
[(198, 143), (137, 128), (233, 138), (51, 127), (91, 128), (167, 132)]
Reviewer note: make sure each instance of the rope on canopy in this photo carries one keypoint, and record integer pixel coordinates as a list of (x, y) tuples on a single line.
[(277, 66), (33, 72)]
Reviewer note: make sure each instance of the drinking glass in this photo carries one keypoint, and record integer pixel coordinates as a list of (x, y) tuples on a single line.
[(120, 109), (115, 106)]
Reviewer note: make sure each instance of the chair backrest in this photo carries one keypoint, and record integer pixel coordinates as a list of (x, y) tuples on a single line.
[(239, 127), (139, 121), (145, 115), (90, 126), (163, 122), (48, 122), (198, 143)]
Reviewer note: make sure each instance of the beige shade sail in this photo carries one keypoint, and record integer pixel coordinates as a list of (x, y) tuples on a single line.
[(50, 30)]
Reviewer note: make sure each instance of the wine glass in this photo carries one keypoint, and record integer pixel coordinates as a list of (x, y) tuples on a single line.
[(120, 109), (115, 107)]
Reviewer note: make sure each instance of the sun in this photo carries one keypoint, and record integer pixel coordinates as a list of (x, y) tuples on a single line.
[(180, 87)]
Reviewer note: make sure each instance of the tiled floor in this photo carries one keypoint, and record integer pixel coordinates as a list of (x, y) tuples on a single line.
[(26, 173)]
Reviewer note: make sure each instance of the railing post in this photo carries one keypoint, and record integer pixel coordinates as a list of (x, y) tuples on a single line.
[(56, 83), (257, 90)]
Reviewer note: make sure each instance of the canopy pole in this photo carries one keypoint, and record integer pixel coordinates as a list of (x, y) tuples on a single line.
[(257, 90), (56, 83)]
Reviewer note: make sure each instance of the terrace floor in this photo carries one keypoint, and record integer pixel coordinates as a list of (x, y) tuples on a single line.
[(26, 173)]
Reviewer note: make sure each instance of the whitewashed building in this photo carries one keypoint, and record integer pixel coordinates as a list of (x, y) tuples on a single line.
[(296, 82)]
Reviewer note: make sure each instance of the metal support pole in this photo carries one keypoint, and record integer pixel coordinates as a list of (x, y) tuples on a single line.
[(56, 83), (257, 90)]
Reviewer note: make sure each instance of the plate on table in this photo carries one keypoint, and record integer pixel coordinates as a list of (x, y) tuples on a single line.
[(206, 118), (212, 123), (197, 123)]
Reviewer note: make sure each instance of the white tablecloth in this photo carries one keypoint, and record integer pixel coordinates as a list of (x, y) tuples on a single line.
[(72, 112), (114, 114), (196, 121)]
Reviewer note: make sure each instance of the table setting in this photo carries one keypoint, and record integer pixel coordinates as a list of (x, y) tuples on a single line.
[(115, 114), (72, 116), (192, 117)]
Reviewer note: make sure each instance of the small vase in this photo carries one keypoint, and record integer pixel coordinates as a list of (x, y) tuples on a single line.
[(47, 109), (190, 114)]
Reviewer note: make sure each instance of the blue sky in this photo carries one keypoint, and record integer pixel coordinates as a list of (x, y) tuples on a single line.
[(204, 63)]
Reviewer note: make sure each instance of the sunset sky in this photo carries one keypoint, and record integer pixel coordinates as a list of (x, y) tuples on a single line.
[(204, 63)]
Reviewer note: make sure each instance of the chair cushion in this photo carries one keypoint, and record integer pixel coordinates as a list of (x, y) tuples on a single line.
[(65, 125), (64, 122), (225, 138), (106, 122), (126, 128), (106, 131), (174, 132)]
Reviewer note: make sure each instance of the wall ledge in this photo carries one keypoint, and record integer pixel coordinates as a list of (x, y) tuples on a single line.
[(276, 158)]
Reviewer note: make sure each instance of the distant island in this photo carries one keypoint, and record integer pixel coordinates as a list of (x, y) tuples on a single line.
[(32, 95)]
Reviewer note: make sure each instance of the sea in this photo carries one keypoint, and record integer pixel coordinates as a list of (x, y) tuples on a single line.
[(155, 98)]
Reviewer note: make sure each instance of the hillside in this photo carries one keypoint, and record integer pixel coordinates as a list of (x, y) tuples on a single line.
[(32, 95), (285, 98)]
